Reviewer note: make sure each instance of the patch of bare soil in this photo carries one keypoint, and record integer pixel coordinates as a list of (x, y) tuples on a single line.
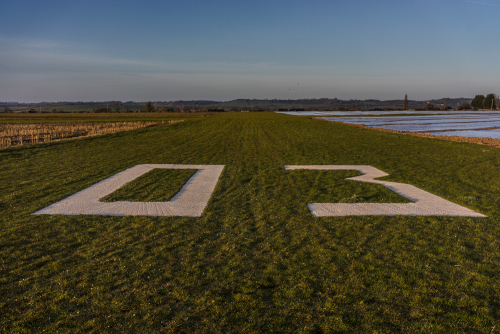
[(474, 140)]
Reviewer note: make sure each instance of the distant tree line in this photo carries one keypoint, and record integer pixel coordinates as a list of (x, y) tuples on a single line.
[(485, 102), (480, 102), (464, 106)]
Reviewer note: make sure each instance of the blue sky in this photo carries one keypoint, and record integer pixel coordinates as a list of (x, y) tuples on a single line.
[(223, 50)]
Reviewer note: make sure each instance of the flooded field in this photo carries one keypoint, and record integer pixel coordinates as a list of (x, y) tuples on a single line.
[(381, 113), (477, 124)]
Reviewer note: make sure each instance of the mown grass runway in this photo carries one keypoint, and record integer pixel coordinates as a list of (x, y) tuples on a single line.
[(257, 260)]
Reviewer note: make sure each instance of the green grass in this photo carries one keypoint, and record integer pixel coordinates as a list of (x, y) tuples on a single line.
[(158, 185), (332, 187), (78, 107), (90, 117), (257, 260)]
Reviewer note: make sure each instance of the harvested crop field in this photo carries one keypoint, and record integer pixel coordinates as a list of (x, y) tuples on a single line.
[(33, 133), (257, 259)]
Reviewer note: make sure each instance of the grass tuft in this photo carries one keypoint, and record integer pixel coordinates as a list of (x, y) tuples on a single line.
[(158, 185)]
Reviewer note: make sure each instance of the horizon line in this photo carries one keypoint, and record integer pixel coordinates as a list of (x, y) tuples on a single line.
[(221, 101)]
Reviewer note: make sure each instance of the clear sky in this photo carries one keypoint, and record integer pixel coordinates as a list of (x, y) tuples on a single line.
[(223, 50)]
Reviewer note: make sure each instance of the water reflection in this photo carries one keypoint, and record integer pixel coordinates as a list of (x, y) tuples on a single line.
[(380, 113), (462, 124)]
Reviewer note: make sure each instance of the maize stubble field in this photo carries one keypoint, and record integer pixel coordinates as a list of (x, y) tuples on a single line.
[(257, 260), (34, 133)]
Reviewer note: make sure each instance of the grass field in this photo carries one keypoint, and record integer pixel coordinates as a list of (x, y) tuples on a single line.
[(257, 260), (104, 117), (77, 107)]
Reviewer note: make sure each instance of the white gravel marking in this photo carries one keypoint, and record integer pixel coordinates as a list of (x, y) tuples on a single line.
[(424, 203), (190, 201)]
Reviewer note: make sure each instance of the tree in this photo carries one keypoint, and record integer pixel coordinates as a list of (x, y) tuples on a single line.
[(489, 102), (148, 107), (405, 106), (478, 102), (446, 107), (464, 106), (7, 110)]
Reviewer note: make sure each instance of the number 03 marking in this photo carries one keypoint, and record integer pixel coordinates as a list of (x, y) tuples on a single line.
[(195, 194), (424, 203)]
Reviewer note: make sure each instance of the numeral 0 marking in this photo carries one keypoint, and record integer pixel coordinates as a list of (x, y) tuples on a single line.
[(190, 201)]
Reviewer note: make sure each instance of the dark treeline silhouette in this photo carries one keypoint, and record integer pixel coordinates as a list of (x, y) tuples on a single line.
[(488, 102), (480, 102)]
